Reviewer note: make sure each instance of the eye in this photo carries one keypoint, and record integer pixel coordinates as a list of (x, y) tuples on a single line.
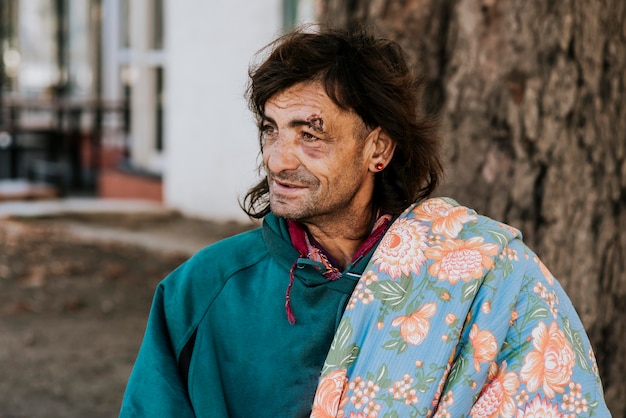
[(309, 137), (267, 130)]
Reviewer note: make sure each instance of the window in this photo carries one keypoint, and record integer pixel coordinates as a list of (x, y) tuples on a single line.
[(141, 59), (296, 12), (38, 71), (9, 53)]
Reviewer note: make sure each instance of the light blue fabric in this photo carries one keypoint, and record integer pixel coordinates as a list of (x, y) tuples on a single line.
[(455, 316)]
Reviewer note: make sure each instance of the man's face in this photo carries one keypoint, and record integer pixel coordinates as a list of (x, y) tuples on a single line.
[(315, 156)]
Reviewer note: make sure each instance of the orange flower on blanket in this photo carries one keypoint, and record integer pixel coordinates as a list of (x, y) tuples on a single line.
[(484, 344), (414, 328), (550, 365), (446, 219), (497, 398), (329, 397), (539, 408), (458, 260), (546, 273), (401, 250)]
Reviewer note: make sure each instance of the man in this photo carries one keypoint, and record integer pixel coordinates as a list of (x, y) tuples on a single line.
[(358, 296)]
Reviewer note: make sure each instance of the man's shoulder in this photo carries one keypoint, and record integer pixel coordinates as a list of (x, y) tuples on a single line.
[(215, 264), (224, 257), (249, 239), (193, 287)]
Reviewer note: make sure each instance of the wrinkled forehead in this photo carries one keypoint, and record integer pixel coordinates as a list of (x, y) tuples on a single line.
[(304, 101)]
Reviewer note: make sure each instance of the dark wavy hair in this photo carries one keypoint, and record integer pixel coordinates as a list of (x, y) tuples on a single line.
[(366, 74)]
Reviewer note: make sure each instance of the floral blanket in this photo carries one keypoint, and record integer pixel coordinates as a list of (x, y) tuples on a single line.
[(456, 317)]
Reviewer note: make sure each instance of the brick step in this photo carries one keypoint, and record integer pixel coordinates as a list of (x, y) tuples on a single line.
[(113, 183), (20, 189)]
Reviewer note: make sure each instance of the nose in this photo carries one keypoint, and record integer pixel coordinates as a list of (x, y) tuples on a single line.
[(280, 154)]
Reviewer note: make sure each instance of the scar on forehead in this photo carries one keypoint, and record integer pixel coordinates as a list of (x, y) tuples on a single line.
[(316, 122)]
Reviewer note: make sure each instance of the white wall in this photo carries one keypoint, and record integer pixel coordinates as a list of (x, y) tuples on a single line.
[(211, 145)]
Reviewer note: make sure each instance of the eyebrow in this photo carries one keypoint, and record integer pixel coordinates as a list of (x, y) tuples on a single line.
[(314, 122)]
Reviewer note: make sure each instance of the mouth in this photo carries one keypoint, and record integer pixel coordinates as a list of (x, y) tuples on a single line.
[(290, 185), (287, 184), (279, 186)]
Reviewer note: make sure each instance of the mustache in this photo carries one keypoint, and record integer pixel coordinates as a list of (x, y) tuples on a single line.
[(299, 177)]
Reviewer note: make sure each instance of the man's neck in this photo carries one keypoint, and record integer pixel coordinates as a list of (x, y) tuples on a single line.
[(342, 239)]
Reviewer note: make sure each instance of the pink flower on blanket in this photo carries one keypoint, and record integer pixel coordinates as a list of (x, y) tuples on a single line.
[(414, 328), (484, 344), (458, 260), (446, 219), (551, 364), (401, 250), (497, 398), (546, 272), (329, 397), (539, 408)]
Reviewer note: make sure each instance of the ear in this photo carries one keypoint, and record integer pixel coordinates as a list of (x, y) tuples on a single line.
[(382, 149)]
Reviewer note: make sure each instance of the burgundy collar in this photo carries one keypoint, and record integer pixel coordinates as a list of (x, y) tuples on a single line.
[(307, 247)]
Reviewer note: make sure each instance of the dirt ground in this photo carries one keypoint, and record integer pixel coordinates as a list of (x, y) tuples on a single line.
[(73, 308)]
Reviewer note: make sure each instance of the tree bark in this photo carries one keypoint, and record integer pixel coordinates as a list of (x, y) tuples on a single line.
[(531, 96)]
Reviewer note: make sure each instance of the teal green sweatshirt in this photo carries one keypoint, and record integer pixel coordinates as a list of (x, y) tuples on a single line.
[(218, 342)]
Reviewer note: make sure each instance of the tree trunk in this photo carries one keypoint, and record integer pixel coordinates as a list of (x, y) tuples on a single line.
[(532, 99)]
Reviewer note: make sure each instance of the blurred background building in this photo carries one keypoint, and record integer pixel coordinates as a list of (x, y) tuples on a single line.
[(134, 98)]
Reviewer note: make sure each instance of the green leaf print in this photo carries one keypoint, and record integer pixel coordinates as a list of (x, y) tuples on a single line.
[(381, 374), (342, 353), (391, 293), (399, 345), (515, 352), (422, 387), (577, 344), (499, 237), (469, 290), (343, 335), (340, 359), (381, 378), (458, 368), (538, 313), (490, 277)]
